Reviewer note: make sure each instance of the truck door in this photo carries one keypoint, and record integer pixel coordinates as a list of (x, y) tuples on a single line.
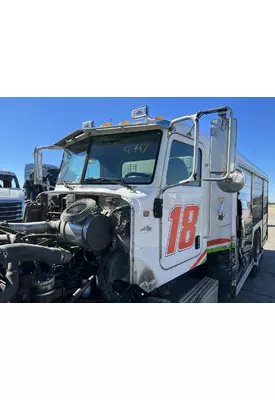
[(182, 217)]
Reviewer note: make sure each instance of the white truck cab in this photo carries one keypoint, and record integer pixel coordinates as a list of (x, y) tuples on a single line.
[(163, 171), (148, 210), (11, 197)]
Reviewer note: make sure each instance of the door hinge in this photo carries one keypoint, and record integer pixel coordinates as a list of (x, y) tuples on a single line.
[(157, 209)]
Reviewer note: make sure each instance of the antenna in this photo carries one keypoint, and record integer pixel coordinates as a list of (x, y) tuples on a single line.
[(110, 115)]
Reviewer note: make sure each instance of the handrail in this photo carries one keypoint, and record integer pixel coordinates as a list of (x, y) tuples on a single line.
[(195, 118)]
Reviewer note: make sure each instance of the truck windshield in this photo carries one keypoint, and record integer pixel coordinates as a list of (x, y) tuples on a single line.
[(125, 157), (8, 182), (73, 162)]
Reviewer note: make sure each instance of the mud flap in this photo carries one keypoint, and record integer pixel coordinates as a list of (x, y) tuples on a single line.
[(223, 266)]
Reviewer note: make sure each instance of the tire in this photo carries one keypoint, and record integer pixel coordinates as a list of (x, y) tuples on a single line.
[(255, 253), (115, 268)]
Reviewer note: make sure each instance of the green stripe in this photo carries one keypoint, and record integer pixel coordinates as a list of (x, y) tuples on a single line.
[(203, 260), (221, 248)]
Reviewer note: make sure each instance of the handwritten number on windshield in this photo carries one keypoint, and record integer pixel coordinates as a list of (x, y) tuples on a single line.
[(135, 148)]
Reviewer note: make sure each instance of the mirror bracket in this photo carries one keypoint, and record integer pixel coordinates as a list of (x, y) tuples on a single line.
[(38, 162), (222, 113)]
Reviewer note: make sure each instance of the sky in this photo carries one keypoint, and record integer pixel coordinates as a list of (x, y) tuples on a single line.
[(29, 122)]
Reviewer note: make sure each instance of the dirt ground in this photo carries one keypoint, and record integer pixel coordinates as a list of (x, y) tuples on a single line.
[(262, 288)]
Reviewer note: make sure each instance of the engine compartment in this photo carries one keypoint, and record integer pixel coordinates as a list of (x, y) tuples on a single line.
[(70, 247)]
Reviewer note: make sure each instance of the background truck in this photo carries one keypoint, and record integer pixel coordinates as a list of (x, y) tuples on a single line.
[(50, 174), (145, 211), (11, 197)]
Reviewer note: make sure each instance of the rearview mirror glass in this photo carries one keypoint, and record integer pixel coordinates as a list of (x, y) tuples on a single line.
[(223, 145)]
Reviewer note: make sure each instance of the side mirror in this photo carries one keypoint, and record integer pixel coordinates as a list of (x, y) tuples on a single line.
[(223, 140), (233, 183), (38, 167)]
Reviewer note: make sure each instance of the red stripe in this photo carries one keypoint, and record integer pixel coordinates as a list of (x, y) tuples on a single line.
[(199, 260), (210, 243), (218, 241)]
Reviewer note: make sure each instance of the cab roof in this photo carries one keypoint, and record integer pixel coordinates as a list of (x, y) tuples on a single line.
[(6, 172), (148, 124), (82, 134)]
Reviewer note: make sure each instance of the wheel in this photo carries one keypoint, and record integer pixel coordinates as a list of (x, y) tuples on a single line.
[(255, 253)]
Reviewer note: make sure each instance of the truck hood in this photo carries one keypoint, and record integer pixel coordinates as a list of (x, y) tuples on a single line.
[(11, 194), (115, 190)]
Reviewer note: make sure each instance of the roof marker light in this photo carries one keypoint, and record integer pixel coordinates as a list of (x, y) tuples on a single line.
[(159, 118), (124, 122), (88, 125), (106, 124), (140, 112)]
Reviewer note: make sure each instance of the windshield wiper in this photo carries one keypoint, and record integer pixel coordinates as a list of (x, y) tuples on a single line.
[(65, 183), (115, 181)]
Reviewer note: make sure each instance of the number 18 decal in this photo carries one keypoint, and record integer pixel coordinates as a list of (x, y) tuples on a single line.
[(183, 228)]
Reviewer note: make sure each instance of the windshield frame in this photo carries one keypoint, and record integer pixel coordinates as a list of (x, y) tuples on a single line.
[(87, 157)]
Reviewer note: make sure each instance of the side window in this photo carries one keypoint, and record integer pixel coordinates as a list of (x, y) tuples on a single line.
[(265, 198), (14, 184), (265, 205), (180, 164), (257, 199), (245, 193)]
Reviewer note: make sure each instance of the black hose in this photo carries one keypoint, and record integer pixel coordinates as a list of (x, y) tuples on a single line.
[(6, 230), (31, 227), (12, 282), (32, 252), (11, 254)]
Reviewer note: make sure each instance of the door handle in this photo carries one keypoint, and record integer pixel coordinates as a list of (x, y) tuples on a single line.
[(197, 242)]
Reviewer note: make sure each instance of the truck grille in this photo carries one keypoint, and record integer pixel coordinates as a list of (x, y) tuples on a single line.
[(11, 211)]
